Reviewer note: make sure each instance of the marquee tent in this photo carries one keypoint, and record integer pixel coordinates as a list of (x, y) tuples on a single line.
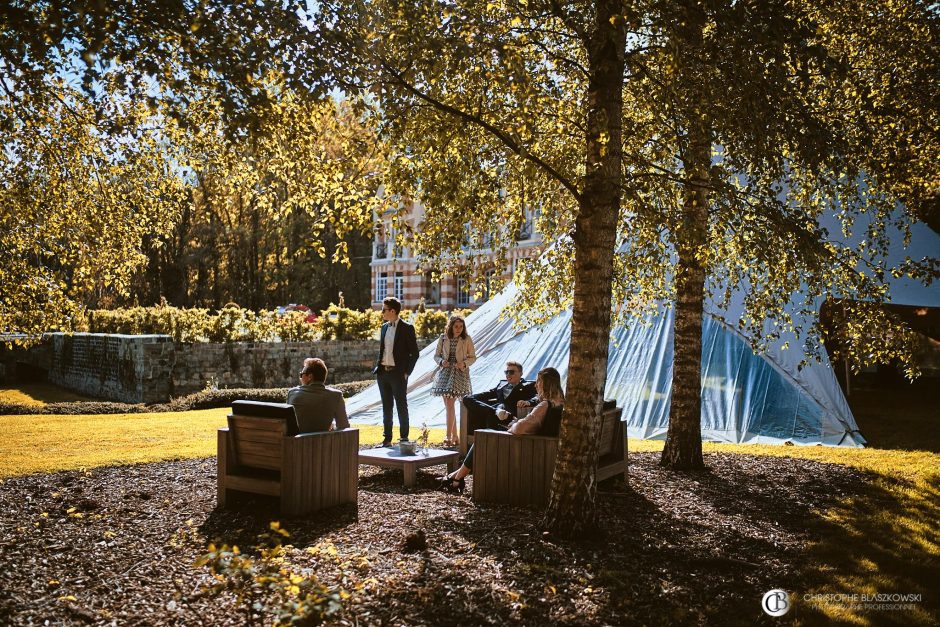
[(746, 398)]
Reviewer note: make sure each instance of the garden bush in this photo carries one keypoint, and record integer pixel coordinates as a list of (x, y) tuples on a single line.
[(340, 323), (235, 324), (207, 399)]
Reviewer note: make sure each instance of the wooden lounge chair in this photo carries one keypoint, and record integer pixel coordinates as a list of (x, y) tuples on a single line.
[(518, 469), (261, 453)]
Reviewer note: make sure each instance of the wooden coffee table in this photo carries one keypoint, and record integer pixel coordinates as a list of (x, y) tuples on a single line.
[(390, 457)]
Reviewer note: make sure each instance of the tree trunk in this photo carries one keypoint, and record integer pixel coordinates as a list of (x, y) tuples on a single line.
[(571, 508), (683, 449)]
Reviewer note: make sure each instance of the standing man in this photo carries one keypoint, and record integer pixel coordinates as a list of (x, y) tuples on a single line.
[(317, 407), (398, 353), (494, 409)]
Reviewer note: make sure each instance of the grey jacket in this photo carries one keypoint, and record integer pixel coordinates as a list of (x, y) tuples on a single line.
[(317, 406)]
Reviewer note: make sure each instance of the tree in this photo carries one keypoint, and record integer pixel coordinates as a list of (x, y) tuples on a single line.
[(76, 199), (493, 107), (730, 104), (101, 106), (276, 215), (759, 120)]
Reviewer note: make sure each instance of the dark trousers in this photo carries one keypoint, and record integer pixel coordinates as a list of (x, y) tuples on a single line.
[(468, 460), (393, 388), (481, 415)]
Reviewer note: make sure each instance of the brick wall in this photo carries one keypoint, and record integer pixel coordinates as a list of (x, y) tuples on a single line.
[(152, 368)]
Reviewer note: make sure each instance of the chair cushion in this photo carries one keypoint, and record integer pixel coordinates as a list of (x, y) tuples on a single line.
[(261, 409)]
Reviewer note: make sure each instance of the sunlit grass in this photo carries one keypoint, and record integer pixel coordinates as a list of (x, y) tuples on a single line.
[(883, 539), (38, 394), (50, 443)]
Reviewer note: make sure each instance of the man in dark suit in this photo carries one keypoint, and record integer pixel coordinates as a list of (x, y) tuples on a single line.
[(317, 407), (495, 408), (398, 353)]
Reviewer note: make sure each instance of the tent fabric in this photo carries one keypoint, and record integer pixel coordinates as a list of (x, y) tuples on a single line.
[(770, 398), (745, 398)]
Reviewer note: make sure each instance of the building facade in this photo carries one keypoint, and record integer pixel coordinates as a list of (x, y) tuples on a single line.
[(396, 271)]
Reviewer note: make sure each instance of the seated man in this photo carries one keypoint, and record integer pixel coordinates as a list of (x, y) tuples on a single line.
[(316, 405), (495, 408)]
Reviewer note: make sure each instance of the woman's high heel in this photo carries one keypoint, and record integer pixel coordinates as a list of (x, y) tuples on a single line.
[(450, 484)]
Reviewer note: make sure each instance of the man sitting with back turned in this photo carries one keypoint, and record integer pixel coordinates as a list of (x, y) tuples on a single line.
[(495, 408), (316, 405)]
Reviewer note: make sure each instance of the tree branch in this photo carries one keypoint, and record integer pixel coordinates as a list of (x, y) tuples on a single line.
[(499, 134)]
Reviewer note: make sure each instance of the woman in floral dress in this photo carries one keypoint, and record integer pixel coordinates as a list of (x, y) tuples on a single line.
[(454, 355)]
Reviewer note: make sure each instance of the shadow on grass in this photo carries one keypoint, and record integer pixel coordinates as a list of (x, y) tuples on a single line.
[(883, 540)]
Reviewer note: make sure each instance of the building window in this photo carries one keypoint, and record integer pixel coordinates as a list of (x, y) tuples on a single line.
[(527, 230), (381, 243), (399, 285), (487, 287), (381, 287), (463, 291), (432, 290)]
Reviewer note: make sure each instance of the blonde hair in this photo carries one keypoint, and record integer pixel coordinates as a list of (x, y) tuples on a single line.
[(551, 385)]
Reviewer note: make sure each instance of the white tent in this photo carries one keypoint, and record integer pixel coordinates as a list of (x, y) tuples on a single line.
[(746, 398)]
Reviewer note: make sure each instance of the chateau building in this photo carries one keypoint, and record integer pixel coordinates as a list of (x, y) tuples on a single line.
[(395, 270)]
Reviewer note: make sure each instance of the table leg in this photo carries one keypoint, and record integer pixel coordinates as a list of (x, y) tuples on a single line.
[(409, 470)]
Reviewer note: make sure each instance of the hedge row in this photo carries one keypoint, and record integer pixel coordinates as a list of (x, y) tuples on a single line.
[(207, 399), (234, 324)]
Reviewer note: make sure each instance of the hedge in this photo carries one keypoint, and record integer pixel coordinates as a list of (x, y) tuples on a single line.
[(207, 399), (234, 324)]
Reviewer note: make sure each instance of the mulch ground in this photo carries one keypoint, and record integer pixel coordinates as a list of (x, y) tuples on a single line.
[(119, 545)]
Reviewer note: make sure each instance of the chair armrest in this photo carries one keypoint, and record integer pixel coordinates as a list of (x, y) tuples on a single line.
[(317, 434), (506, 434)]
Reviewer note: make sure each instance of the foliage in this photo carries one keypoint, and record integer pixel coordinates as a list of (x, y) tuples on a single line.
[(234, 324), (277, 215), (268, 586), (71, 408), (206, 399), (78, 197), (338, 323)]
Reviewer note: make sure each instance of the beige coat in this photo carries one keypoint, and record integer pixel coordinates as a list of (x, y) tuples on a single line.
[(465, 351)]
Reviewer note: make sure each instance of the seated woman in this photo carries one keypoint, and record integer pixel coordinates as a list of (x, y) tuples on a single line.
[(549, 403)]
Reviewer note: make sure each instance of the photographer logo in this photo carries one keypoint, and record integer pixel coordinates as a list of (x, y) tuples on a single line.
[(776, 602)]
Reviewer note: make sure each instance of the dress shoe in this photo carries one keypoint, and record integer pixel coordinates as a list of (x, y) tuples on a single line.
[(386, 444)]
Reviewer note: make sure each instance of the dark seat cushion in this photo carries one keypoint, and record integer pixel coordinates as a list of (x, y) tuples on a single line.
[(261, 409)]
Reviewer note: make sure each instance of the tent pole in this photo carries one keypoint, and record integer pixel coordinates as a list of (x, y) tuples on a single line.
[(848, 373)]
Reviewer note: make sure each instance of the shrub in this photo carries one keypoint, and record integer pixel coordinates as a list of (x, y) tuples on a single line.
[(233, 324), (268, 585), (73, 408), (430, 323), (207, 399), (293, 327), (339, 323)]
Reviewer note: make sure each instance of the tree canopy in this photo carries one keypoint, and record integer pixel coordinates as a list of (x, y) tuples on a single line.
[(675, 149)]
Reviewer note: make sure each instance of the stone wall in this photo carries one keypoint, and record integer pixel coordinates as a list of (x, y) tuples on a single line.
[(268, 364), (152, 368), (126, 368)]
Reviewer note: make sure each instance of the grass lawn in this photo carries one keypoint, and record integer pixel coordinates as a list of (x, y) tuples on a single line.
[(883, 538), (38, 394), (49, 443)]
